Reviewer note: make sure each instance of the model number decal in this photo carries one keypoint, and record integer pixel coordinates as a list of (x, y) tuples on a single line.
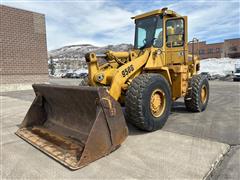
[(128, 70)]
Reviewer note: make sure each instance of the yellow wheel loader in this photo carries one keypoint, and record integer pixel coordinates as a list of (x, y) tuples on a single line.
[(78, 125)]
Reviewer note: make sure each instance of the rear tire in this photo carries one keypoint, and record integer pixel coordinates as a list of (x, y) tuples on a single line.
[(196, 99), (148, 102)]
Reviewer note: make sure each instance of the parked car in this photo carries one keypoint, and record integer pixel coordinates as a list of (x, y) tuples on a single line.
[(67, 75), (236, 75), (83, 75), (76, 75)]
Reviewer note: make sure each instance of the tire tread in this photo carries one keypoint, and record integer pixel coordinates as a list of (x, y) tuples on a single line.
[(134, 99), (192, 98)]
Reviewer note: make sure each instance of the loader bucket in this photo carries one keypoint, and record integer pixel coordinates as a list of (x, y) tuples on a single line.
[(74, 125)]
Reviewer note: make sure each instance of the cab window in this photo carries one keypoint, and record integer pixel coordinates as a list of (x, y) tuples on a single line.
[(142, 34), (148, 32), (175, 32), (158, 36)]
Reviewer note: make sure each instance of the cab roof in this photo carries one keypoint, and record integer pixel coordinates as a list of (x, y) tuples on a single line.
[(157, 12)]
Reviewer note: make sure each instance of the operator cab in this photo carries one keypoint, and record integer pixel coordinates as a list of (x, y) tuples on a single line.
[(150, 29)]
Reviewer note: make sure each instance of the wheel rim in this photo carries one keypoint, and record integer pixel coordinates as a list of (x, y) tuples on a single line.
[(157, 102), (203, 94)]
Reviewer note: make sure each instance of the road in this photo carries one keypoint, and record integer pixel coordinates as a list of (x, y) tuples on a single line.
[(190, 146)]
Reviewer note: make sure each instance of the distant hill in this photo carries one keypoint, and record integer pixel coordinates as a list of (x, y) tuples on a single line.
[(81, 49)]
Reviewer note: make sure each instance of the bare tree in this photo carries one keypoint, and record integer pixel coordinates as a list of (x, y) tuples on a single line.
[(51, 66)]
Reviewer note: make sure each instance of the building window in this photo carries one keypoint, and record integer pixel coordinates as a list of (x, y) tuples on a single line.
[(201, 51), (218, 50), (233, 48), (210, 51)]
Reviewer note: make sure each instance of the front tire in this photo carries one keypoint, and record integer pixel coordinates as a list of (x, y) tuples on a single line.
[(196, 99), (148, 102)]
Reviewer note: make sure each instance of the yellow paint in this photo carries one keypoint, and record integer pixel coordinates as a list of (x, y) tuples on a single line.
[(174, 63), (156, 12), (157, 103), (118, 80)]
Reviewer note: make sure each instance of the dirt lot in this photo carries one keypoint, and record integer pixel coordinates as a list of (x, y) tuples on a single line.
[(190, 146)]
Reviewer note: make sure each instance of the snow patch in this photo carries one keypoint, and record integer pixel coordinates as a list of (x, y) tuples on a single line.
[(221, 66)]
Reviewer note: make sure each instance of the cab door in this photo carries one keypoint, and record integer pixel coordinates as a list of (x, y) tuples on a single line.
[(176, 40)]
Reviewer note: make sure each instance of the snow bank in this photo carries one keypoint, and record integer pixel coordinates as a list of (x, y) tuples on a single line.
[(221, 66)]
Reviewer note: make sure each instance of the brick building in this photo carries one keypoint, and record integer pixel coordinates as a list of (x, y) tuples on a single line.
[(228, 48), (23, 52), (231, 48)]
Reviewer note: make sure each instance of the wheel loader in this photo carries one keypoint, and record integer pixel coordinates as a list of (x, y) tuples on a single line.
[(77, 125)]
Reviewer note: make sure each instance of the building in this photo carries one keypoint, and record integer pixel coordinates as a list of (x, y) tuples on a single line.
[(228, 48), (23, 52), (231, 48)]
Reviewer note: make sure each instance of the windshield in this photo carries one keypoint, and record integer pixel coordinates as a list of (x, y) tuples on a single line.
[(237, 71), (149, 32)]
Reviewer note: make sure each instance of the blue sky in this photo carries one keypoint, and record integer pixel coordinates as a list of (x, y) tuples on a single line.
[(108, 21)]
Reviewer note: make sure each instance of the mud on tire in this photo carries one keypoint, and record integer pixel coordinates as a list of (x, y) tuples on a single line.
[(138, 97)]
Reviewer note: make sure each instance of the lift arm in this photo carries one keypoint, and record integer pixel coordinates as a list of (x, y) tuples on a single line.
[(125, 72)]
